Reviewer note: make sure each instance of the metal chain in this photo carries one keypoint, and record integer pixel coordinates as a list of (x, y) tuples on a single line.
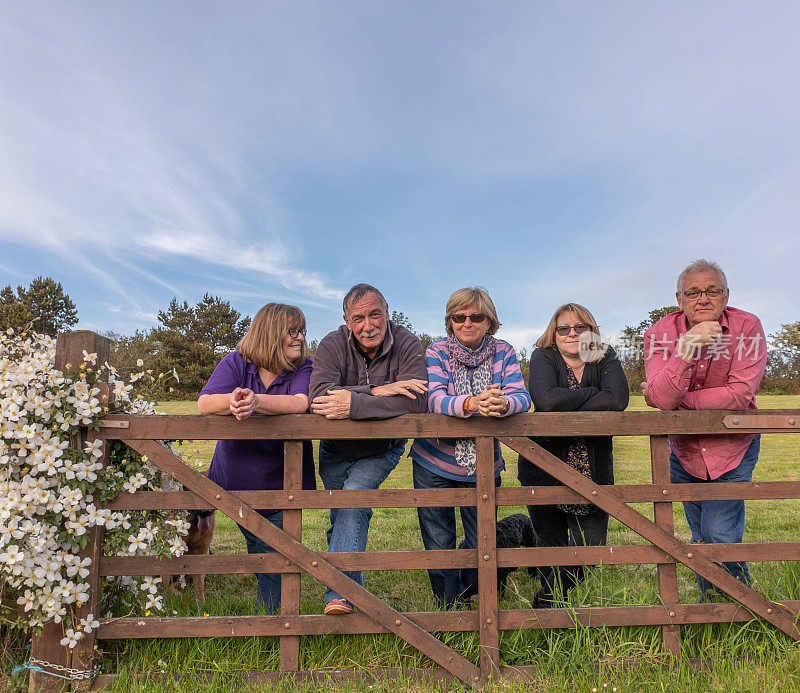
[(72, 674)]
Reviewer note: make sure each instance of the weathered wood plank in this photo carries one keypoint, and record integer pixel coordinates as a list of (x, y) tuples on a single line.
[(230, 564), (311, 426), (309, 561), (46, 647), (763, 421), (71, 345), (433, 621), (667, 572), (289, 648), (487, 560), (659, 492), (456, 497), (779, 616), (84, 653), (321, 499)]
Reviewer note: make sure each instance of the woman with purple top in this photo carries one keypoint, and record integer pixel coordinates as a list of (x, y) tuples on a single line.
[(469, 374), (267, 374)]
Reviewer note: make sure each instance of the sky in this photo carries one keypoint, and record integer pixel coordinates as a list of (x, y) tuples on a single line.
[(265, 151)]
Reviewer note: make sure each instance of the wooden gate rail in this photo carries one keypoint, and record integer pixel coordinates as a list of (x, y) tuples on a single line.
[(626, 554), (312, 427), (663, 548), (431, 621), (417, 498)]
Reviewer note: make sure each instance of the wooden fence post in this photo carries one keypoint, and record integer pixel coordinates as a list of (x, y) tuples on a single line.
[(83, 654), (46, 647), (667, 572), (289, 648), (488, 612)]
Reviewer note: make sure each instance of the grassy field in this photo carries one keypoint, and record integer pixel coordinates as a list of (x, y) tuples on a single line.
[(564, 657)]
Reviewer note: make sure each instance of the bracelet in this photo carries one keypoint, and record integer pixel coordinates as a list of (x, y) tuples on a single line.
[(468, 403)]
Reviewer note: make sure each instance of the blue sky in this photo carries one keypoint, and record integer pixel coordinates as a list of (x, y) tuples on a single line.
[(261, 151)]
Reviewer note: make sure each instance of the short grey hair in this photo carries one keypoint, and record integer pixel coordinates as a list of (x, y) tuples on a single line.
[(702, 266), (358, 292)]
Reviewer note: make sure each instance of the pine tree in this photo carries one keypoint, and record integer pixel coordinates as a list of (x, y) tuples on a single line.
[(44, 302)]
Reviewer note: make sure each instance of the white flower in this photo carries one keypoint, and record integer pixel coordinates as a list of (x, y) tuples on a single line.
[(94, 449), (11, 555), (47, 486), (28, 600), (136, 544), (71, 638), (89, 623)]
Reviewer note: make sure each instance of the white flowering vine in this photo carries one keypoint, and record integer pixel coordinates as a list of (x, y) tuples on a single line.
[(52, 488)]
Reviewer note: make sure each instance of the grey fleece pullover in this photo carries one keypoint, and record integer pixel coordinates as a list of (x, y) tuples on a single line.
[(338, 364)]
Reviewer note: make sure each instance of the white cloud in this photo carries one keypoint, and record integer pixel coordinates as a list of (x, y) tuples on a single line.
[(94, 176), (521, 336)]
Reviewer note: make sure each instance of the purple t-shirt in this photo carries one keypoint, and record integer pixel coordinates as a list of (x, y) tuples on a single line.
[(255, 465)]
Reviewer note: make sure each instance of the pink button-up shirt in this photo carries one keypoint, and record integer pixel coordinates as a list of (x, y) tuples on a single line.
[(724, 375)]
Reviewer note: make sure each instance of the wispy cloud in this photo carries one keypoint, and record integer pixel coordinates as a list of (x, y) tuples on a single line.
[(105, 187), (555, 152)]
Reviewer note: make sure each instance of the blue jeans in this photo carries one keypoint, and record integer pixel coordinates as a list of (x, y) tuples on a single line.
[(269, 584), (719, 521), (349, 526), (438, 527)]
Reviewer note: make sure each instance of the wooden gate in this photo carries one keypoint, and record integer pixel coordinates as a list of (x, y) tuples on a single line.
[(294, 558)]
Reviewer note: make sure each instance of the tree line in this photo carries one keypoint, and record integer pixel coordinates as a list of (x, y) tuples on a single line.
[(191, 339)]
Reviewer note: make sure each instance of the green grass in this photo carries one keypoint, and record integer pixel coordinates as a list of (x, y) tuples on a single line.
[(564, 657)]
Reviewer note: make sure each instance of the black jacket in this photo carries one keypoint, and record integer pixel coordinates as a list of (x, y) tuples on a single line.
[(603, 388)]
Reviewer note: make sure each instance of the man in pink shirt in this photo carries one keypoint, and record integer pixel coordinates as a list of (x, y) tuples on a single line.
[(708, 356)]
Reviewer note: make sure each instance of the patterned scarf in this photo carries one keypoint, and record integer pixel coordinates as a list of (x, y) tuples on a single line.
[(472, 372)]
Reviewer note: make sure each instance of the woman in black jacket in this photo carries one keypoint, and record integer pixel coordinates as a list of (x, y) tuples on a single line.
[(571, 370)]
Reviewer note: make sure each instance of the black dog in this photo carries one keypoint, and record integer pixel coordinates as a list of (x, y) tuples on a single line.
[(513, 532)]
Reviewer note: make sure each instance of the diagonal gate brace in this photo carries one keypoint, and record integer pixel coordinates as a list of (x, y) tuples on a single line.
[(777, 614), (307, 560)]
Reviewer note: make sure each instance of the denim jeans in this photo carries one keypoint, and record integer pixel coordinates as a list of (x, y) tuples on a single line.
[(719, 521), (349, 526), (438, 527), (268, 596)]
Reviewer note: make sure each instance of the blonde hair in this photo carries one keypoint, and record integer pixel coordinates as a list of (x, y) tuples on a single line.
[(263, 343), (548, 338), (471, 296)]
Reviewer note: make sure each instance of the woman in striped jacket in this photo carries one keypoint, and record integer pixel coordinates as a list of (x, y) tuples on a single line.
[(470, 373)]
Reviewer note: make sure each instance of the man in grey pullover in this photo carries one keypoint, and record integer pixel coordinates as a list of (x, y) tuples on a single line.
[(369, 368)]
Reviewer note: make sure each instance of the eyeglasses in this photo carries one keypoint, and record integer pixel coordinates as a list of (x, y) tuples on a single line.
[(474, 317), (693, 294), (294, 333), (580, 328)]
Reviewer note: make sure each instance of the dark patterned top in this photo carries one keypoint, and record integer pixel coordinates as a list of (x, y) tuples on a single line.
[(577, 458)]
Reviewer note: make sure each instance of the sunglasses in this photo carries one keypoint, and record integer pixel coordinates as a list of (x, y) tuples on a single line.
[(294, 333), (580, 328), (461, 317)]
